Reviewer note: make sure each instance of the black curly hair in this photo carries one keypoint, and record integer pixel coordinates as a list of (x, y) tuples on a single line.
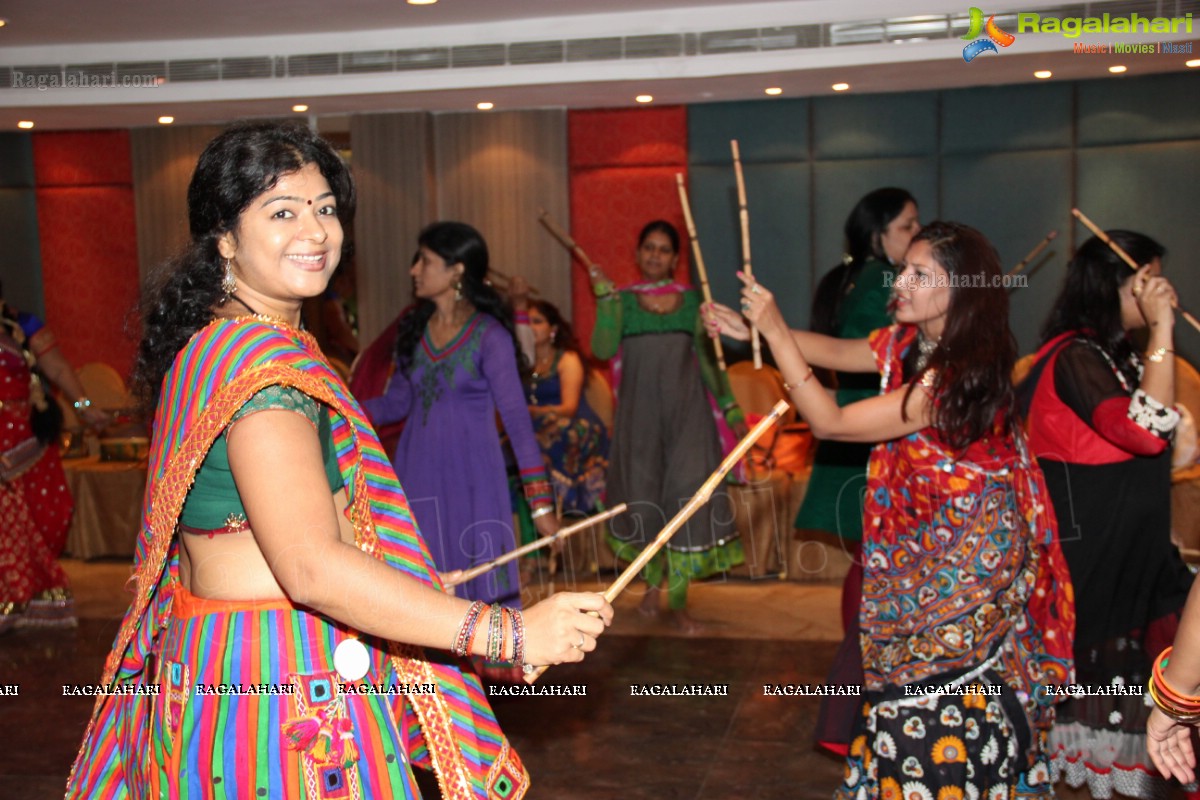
[(237, 166), (455, 243)]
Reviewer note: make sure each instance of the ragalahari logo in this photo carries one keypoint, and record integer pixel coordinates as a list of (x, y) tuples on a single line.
[(994, 37)]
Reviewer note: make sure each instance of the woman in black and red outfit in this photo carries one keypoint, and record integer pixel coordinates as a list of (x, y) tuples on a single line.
[(1101, 420)]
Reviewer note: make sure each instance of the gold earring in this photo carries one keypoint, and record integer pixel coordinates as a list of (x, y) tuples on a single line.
[(228, 282), (458, 290)]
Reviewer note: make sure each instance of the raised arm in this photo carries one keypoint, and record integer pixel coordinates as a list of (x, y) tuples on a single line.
[(606, 336), (876, 419), (276, 461), (843, 355)]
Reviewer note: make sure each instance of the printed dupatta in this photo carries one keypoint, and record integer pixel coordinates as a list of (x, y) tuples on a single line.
[(222, 366), (949, 501)]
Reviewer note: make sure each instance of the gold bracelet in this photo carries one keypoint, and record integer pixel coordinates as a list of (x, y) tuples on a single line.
[(790, 386), (1159, 354)]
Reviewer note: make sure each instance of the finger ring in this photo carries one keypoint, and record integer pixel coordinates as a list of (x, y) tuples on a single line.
[(756, 288), (745, 305), (581, 641)]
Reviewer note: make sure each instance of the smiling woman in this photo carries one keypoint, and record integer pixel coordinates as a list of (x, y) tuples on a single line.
[(277, 550)]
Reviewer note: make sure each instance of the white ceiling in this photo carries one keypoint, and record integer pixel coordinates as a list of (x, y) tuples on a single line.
[(41, 32)]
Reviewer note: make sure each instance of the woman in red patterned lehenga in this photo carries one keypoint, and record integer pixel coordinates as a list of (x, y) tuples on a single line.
[(35, 506), (965, 627)]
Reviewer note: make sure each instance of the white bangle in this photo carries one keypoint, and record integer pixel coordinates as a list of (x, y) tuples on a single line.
[(541, 512)]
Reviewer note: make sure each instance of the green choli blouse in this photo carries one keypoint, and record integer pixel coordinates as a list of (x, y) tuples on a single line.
[(213, 504)]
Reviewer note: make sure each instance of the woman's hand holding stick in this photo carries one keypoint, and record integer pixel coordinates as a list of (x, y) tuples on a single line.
[(679, 520), (1128, 259)]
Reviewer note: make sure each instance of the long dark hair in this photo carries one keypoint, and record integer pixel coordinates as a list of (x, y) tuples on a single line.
[(565, 338), (973, 361), (863, 231), (1089, 302), (236, 167), (455, 243)]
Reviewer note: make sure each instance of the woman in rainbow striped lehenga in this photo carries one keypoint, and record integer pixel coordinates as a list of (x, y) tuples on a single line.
[(279, 570)]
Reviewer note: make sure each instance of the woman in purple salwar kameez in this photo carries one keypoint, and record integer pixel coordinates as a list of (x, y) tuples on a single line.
[(456, 367)]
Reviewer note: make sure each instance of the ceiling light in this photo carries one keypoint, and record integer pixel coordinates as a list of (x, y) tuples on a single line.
[(774, 90), (1117, 69), (25, 124), (840, 87), (299, 108), (644, 98), (421, 2), (1042, 74), (3, 22), (165, 120), (1195, 62), (485, 106)]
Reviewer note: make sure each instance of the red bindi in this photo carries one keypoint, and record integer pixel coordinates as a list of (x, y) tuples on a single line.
[(310, 202)]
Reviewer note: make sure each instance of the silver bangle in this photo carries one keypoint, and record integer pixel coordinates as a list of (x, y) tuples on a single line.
[(541, 512)]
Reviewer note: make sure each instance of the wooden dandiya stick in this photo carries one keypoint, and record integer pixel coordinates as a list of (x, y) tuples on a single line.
[(563, 533), (1128, 259), (679, 520), (700, 270), (564, 239), (503, 279), (744, 216), (1027, 260)]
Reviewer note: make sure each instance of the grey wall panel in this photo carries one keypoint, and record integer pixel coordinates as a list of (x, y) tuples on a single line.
[(1015, 199), (875, 126), (766, 131), (984, 119), (1152, 109), (777, 200)]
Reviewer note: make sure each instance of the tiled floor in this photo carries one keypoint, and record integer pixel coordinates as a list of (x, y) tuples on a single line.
[(609, 744)]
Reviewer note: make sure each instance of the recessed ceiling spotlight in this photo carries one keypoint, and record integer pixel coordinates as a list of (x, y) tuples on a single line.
[(3, 22), (1195, 62), (1117, 69), (644, 98), (25, 124), (165, 120), (485, 106), (300, 108), (840, 87), (774, 90), (421, 2), (1042, 74)]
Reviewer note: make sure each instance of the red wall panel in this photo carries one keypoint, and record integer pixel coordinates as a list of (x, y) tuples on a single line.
[(623, 166), (88, 238)]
